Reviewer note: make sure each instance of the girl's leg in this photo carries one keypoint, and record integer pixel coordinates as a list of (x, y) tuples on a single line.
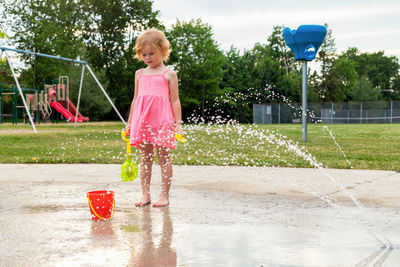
[(147, 156), (164, 158)]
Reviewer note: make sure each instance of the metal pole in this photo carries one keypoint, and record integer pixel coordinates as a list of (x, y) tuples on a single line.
[(1, 102), (12, 99), (15, 90), (38, 104), (101, 87), (304, 96), (57, 98), (385, 116), (391, 111), (279, 113), (79, 95), (1, 95), (20, 91), (42, 55)]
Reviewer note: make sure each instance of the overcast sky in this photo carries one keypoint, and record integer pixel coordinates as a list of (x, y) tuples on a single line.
[(370, 25)]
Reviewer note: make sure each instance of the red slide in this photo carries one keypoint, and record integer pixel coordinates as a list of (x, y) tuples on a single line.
[(72, 109), (67, 115)]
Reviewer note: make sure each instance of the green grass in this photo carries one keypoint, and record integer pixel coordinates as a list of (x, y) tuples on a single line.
[(365, 146)]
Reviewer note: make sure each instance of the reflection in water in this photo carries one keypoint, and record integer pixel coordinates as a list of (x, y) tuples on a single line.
[(102, 231), (149, 254)]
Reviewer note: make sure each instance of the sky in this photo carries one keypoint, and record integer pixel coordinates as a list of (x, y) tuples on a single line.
[(369, 25)]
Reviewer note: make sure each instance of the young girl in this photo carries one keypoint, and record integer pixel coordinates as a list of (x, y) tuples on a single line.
[(155, 110)]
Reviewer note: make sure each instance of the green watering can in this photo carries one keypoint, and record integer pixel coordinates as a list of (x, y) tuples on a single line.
[(129, 169)]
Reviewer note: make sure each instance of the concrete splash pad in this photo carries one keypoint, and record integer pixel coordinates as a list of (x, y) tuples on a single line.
[(218, 216)]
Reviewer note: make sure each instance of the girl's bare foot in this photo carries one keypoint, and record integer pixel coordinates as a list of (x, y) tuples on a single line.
[(145, 200), (163, 201)]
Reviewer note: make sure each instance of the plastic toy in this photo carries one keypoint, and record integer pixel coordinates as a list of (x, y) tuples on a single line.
[(102, 204), (305, 41), (180, 138), (129, 169)]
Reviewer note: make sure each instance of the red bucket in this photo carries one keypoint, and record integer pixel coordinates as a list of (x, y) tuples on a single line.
[(101, 204)]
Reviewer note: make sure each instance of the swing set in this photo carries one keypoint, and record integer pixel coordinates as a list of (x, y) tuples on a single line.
[(42, 101), (53, 94)]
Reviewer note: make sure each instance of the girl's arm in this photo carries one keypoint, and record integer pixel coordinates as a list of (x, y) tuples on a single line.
[(175, 102), (128, 124)]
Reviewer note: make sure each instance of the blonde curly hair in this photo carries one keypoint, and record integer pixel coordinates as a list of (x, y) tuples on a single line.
[(157, 40)]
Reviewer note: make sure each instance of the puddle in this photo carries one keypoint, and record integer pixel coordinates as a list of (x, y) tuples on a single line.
[(200, 228)]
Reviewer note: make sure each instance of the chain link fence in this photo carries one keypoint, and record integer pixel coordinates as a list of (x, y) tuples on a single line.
[(345, 112)]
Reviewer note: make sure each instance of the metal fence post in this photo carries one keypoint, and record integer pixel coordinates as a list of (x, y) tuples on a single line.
[(279, 113), (391, 111)]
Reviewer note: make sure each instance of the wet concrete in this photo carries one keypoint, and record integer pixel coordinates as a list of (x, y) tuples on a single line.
[(218, 216)]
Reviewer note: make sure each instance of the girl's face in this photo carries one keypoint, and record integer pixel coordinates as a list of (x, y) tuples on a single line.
[(151, 57)]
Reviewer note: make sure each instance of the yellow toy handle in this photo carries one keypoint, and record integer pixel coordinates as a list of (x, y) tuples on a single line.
[(128, 145), (180, 138), (95, 213)]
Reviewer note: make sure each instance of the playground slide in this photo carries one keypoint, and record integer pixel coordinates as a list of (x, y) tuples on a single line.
[(72, 109), (67, 115)]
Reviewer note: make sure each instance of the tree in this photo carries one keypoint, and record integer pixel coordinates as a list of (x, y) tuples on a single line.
[(47, 26), (327, 52), (259, 75), (110, 31), (380, 70), (198, 62), (93, 102), (237, 70), (99, 31), (339, 81), (364, 91), (269, 71), (5, 72), (329, 87), (236, 83), (279, 50), (395, 92)]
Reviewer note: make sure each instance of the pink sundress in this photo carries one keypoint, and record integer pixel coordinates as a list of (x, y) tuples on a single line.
[(152, 117)]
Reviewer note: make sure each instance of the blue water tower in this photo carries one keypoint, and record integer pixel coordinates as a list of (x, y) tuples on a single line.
[(304, 42)]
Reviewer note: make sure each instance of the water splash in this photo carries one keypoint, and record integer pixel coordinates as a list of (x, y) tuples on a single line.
[(253, 139), (337, 145), (254, 96)]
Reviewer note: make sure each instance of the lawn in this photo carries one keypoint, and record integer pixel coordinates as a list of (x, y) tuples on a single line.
[(359, 146)]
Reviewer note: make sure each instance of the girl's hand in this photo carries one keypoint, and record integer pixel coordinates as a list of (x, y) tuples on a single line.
[(179, 134), (128, 130), (178, 129)]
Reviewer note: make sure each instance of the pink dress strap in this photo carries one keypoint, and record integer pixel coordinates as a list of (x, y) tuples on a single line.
[(165, 71)]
